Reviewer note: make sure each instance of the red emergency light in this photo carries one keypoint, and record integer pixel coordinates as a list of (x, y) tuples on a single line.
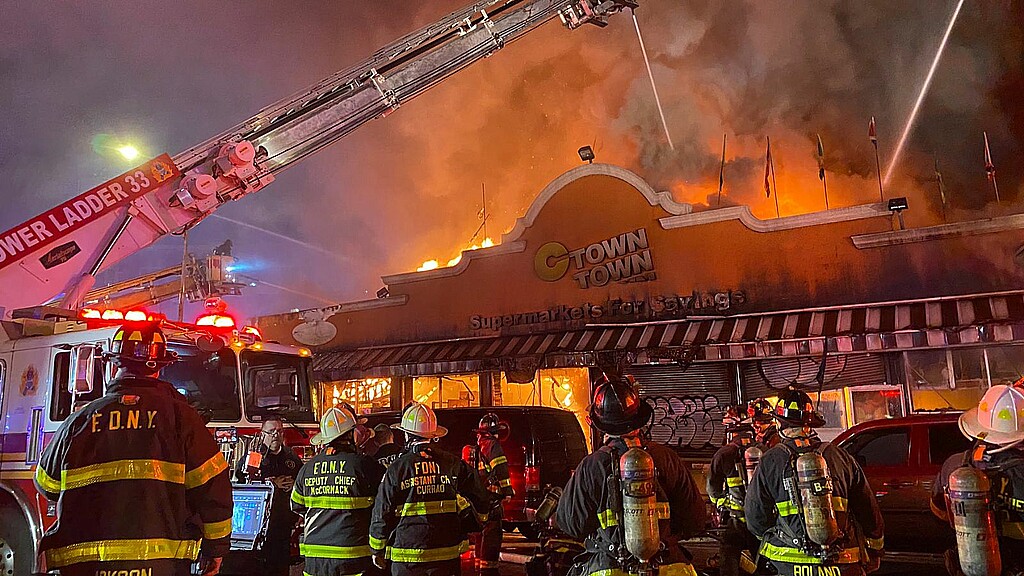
[(113, 316), (222, 321)]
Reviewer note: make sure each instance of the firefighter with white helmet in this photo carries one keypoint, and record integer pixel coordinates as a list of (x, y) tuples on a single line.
[(631, 500), (334, 492), (985, 486), (726, 488), (140, 484), (809, 502), (427, 504)]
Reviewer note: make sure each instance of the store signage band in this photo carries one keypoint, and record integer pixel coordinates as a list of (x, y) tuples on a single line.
[(622, 258)]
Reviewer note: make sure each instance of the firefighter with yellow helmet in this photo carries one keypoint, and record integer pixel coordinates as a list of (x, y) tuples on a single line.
[(632, 500), (809, 502), (140, 484), (985, 486), (427, 504)]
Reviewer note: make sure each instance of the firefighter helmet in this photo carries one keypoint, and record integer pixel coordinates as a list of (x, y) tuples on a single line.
[(419, 420), (491, 424), (795, 408), (998, 418), (617, 409), (140, 344), (336, 422), (760, 410)]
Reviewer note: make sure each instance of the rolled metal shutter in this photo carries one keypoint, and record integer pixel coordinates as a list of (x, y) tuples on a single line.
[(768, 377), (688, 405)]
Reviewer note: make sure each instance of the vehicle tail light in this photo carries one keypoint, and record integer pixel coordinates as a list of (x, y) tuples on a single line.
[(533, 478)]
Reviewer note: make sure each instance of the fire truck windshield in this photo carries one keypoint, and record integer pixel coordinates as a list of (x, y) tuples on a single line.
[(208, 380), (276, 384)]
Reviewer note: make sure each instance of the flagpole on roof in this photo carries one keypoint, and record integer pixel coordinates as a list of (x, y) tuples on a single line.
[(878, 167), (990, 168), (942, 188), (771, 163), (721, 173), (821, 169), (769, 176)]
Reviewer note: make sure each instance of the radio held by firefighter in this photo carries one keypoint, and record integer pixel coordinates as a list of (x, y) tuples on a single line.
[(809, 502), (632, 501), (980, 492)]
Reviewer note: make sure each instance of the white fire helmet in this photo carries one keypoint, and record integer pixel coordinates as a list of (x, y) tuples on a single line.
[(335, 422), (999, 417), (419, 420)]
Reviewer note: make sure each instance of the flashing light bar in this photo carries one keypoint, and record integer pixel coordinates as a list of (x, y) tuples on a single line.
[(216, 321), (114, 316)]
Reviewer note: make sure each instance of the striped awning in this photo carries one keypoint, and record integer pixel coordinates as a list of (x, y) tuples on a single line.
[(864, 328)]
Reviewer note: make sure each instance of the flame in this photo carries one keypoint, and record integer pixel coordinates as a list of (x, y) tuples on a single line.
[(432, 264)]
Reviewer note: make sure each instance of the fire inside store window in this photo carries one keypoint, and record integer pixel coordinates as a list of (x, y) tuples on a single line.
[(369, 395)]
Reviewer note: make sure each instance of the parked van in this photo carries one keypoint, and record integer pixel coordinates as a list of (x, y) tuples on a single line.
[(544, 445)]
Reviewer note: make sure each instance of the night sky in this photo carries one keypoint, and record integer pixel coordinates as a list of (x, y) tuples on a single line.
[(406, 189)]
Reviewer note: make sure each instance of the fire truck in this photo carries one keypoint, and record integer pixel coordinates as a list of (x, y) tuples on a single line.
[(49, 264)]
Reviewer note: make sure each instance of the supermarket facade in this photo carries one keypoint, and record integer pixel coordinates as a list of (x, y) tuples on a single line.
[(705, 308)]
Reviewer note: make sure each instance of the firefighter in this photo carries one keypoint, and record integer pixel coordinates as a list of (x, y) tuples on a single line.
[(279, 465), (140, 484), (591, 506), (766, 434), (493, 469), (809, 502), (725, 487), (334, 492), (427, 504), (997, 425), (387, 449)]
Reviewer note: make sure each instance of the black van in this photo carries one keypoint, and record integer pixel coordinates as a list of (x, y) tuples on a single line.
[(543, 447)]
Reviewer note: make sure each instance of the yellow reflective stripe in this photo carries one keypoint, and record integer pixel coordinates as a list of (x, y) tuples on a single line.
[(123, 550), (607, 519), (504, 483), (1014, 530), (376, 543), (461, 502), (333, 502), (325, 551), (664, 512), (609, 572), (206, 471), (732, 505), (48, 483), (215, 530), (498, 460), (787, 508), (839, 504), (876, 543), (795, 556), (425, 508), (734, 481), (122, 470), (427, 554)]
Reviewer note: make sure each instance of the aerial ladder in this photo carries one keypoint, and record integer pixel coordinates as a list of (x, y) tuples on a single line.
[(57, 255)]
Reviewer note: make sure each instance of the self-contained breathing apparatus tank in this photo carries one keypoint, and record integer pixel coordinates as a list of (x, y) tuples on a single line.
[(815, 487), (639, 504), (971, 515), (751, 458)]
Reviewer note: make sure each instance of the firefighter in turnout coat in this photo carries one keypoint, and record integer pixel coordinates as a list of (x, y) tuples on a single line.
[(725, 487), (427, 504), (334, 492), (592, 503), (140, 484), (493, 469), (799, 543), (997, 424)]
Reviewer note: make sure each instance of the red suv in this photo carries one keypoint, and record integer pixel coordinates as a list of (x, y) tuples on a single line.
[(901, 458), (543, 447)]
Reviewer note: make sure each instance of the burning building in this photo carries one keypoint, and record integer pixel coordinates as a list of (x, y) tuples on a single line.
[(706, 308)]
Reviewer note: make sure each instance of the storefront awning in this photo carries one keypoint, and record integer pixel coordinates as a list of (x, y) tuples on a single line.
[(934, 323)]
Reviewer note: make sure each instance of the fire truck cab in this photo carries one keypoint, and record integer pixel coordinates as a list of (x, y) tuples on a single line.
[(51, 366)]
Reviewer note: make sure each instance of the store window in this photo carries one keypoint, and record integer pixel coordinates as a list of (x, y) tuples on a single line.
[(447, 391), (876, 404), (1005, 364), (946, 379), (364, 396), (565, 388)]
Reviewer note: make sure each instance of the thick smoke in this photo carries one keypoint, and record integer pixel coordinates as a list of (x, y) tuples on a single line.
[(407, 188)]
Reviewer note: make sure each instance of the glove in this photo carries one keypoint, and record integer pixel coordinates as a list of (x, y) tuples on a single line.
[(379, 561), (209, 566)]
